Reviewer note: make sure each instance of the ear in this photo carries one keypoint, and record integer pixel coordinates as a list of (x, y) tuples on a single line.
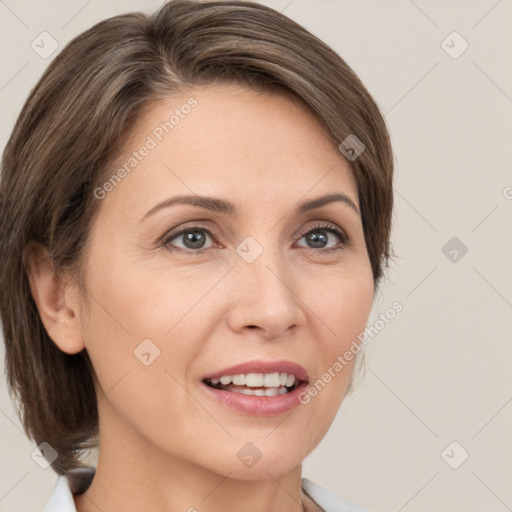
[(57, 302)]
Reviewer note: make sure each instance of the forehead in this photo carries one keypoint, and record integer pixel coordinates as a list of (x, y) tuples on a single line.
[(229, 141)]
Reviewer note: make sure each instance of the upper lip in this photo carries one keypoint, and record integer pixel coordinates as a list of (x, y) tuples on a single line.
[(260, 366)]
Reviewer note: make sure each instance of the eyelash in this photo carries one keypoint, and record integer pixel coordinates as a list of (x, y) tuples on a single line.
[(344, 240)]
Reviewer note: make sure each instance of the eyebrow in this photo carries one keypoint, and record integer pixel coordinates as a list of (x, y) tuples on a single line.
[(222, 206)]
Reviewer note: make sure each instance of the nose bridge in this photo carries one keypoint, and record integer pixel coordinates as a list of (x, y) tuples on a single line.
[(259, 262), (264, 287)]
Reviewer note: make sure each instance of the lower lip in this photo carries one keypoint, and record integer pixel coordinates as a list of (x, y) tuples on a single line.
[(257, 405)]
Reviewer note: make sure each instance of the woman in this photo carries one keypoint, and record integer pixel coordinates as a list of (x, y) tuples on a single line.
[(196, 209)]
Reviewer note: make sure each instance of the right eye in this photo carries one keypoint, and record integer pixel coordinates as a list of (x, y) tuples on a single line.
[(193, 239)]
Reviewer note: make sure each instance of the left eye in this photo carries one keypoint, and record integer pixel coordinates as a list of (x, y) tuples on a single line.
[(319, 237)]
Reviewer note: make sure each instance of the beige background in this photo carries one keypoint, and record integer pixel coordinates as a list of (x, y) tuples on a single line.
[(441, 370)]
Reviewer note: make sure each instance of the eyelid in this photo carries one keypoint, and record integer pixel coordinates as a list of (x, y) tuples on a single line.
[(328, 226), (174, 232)]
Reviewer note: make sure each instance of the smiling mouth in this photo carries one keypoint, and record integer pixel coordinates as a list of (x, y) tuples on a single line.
[(257, 384)]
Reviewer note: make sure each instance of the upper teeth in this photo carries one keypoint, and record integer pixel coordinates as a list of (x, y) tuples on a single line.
[(256, 380)]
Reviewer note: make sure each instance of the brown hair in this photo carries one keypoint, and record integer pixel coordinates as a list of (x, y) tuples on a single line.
[(72, 127)]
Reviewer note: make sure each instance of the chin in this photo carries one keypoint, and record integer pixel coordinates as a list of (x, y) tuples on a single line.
[(259, 459)]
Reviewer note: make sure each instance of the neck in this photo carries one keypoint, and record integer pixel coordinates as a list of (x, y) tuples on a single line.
[(133, 475)]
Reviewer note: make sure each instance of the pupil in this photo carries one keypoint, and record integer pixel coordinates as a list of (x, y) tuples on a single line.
[(196, 238), (314, 238)]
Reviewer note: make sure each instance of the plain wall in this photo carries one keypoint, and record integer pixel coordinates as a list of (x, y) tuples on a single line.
[(440, 371)]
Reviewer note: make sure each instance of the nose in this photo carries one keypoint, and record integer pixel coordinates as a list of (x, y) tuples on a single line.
[(263, 296)]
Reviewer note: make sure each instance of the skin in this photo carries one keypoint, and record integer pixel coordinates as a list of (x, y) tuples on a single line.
[(164, 444)]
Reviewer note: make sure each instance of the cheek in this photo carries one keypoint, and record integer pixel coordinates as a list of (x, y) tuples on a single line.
[(138, 317), (153, 301), (144, 323), (354, 306), (342, 307), (343, 304)]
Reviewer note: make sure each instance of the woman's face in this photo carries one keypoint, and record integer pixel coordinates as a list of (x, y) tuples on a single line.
[(178, 293)]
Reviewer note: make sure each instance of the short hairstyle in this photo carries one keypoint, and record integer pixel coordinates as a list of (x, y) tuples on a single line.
[(72, 127)]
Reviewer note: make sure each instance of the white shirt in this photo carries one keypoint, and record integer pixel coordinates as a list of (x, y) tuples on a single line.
[(80, 479)]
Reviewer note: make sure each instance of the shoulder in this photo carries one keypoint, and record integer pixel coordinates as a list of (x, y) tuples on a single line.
[(74, 482), (327, 500)]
